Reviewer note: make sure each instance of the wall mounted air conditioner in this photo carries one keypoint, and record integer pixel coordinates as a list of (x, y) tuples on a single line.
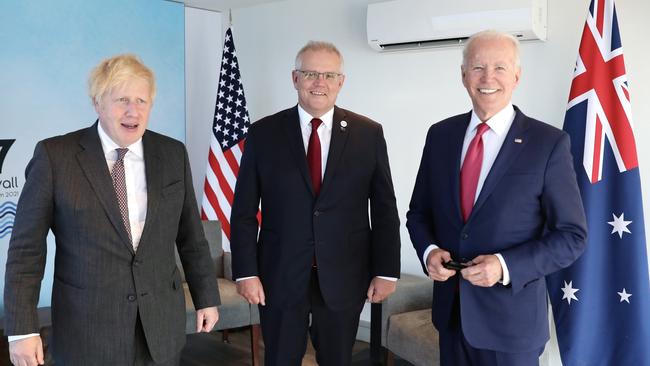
[(415, 24)]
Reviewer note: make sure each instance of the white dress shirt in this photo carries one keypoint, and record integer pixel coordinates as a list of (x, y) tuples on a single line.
[(136, 189), (136, 181), (493, 139)]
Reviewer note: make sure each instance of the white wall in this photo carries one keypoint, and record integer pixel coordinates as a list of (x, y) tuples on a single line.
[(203, 45), (407, 92)]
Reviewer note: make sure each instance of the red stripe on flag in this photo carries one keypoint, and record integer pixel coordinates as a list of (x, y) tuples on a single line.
[(214, 202), (598, 137), (232, 161), (223, 183), (600, 16)]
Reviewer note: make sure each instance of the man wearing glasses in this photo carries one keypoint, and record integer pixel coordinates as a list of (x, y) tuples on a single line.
[(321, 251)]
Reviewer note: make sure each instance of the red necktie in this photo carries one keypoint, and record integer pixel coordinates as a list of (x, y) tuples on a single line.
[(314, 156), (471, 170)]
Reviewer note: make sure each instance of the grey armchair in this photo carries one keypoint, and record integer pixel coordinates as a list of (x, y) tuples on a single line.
[(402, 324), (234, 311)]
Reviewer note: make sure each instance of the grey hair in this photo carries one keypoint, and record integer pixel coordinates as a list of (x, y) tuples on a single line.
[(492, 34), (317, 46)]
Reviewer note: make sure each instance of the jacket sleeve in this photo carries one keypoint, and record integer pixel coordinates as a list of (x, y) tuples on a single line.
[(243, 218), (419, 220), (565, 234), (386, 245), (193, 249), (28, 246)]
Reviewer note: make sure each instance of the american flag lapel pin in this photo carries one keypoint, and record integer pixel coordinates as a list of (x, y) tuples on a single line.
[(518, 141), (343, 125)]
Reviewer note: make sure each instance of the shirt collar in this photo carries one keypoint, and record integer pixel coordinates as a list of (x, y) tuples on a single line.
[(499, 123), (305, 118), (109, 146)]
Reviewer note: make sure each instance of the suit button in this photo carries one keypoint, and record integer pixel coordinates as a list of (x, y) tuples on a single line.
[(131, 297), (316, 213), (137, 262), (464, 236)]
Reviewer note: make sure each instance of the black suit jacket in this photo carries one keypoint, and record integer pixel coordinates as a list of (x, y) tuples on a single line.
[(100, 283), (351, 243), (529, 210)]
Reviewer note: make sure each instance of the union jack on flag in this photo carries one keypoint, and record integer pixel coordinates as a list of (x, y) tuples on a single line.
[(229, 130), (601, 304)]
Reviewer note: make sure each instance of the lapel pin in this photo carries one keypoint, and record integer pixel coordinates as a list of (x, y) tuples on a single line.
[(343, 126), (518, 141)]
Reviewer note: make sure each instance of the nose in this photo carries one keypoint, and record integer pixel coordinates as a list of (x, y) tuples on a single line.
[(131, 109), (487, 73)]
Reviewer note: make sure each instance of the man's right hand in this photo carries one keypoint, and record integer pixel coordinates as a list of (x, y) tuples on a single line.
[(251, 289), (27, 352), (435, 268)]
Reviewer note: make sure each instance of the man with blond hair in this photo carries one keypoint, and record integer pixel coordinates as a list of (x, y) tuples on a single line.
[(119, 200), (495, 209), (318, 171)]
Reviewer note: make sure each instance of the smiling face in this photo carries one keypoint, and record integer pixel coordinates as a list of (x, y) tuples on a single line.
[(490, 75), (124, 111), (318, 96)]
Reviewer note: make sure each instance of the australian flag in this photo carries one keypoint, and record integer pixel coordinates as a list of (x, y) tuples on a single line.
[(601, 304)]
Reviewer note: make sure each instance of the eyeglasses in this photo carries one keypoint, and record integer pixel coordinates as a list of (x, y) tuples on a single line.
[(314, 75)]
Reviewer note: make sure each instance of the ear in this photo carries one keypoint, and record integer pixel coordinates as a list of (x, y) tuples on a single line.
[(294, 77), (96, 105), (517, 76), (462, 75), (341, 81)]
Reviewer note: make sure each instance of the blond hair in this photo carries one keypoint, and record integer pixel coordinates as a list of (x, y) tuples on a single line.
[(115, 71)]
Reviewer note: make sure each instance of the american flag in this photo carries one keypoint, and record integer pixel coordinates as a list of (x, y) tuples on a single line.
[(601, 304), (229, 130)]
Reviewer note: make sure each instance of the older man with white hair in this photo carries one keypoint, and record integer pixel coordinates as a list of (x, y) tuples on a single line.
[(495, 208)]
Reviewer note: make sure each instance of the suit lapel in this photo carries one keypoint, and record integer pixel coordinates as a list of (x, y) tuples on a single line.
[(455, 149), (296, 145), (510, 150), (153, 171), (337, 144), (93, 163)]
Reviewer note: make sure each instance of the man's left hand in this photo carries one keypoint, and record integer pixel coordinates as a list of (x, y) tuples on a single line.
[(206, 318), (485, 272), (380, 289)]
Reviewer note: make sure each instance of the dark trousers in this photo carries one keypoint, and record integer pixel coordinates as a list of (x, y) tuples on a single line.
[(456, 351), (142, 355), (285, 330)]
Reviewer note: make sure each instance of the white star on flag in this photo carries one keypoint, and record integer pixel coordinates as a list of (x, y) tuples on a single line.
[(620, 225), (569, 292), (624, 296)]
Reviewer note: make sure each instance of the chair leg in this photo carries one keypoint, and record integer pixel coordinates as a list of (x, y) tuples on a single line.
[(390, 358), (255, 344), (224, 336)]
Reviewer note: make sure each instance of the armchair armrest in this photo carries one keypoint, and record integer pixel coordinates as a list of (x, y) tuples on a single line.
[(412, 293)]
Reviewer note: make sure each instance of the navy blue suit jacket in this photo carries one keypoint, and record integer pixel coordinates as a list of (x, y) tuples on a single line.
[(529, 210)]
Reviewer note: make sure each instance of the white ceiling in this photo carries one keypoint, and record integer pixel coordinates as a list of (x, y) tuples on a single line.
[(223, 5)]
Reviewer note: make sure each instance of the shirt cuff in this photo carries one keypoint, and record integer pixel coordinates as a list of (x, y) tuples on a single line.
[(394, 279), (23, 336), (505, 280), (245, 278), (426, 254)]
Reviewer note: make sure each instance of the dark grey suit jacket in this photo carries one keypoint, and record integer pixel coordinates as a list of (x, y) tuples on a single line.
[(100, 283)]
